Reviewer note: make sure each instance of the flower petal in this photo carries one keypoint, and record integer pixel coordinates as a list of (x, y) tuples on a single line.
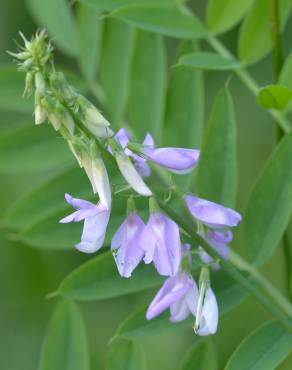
[(212, 214), (173, 289), (94, 231), (123, 137), (78, 203), (209, 316), (129, 254), (131, 175), (97, 174), (177, 160)]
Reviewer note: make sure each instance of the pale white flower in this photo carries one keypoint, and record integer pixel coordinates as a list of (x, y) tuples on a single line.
[(131, 175)]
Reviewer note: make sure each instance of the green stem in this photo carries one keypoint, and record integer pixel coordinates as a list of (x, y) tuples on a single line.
[(248, 81)]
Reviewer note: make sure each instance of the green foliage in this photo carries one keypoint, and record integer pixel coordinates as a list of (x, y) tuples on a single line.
[(147, 85), (65, 346), (45, 199), (264, 349), (125, 354), (165, 20), (202, 355), (56, 16), (184, 117), (269, 207), (40, 150), (115, 66), (208, 61), (224, 14), (286, 72), (115, 4), (274, 97), (218, 156), (255, 39), (89, 35), (99, 279), (126, 50)]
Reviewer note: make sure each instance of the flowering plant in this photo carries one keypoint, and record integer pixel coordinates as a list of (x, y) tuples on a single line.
[(159, 216)]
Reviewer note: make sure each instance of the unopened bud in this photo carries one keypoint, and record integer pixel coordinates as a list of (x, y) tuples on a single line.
[(29, 84), (39, 114), (40, 84)]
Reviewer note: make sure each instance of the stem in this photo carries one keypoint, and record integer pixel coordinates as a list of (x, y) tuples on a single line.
[(241, 264), (286, 308), (248, 81)]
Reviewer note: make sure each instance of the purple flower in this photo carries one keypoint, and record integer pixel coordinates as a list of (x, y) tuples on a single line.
[(161, 243), (123, 137), (207, 319), (180, 294), (177, 160), (218, 240), (211, 214), (125, 245), (95, 218)]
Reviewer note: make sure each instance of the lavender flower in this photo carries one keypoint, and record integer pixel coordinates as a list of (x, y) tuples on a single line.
[(95, 218), (219, 241), (207, 317), (123, 137), (179, 293), (211, 214), (161, 243), (125, 245), (177, 160)]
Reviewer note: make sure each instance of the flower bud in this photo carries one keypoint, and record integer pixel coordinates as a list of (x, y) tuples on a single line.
[(29, 84), (39, 114), (40, 85)]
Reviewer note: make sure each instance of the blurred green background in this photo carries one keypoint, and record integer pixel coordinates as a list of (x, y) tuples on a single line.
[(31, 266)]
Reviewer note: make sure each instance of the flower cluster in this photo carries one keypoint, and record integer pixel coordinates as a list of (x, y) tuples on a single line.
[(90, 138)]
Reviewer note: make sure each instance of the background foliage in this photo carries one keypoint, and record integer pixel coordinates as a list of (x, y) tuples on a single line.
[(146, 81)]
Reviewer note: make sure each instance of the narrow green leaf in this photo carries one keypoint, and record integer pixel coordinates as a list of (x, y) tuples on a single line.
[(255, 39), (116, 61), (202, 354), (224, 14), (136, 324), (89, 32), (56, 17), (46, 199), (65, 346), (47, 233), (274, 97), (147, 85), (208, 61), (166, 20), (264, 349), (115, 4), (125, 354), (40, 150), (269, 207), (184, 117), (217, 171), (286, 72), (99, 279)]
